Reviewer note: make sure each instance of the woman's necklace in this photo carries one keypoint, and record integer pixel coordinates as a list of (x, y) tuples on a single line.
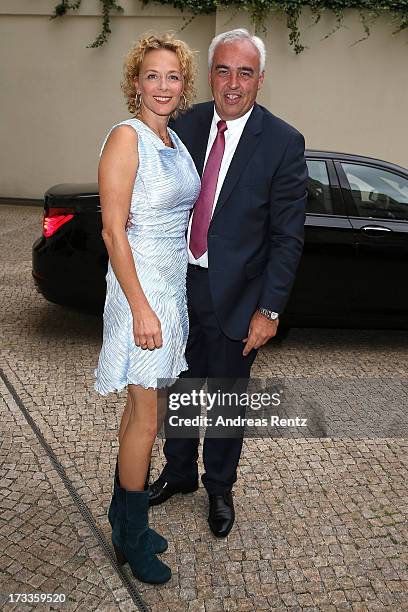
[(165, 139)]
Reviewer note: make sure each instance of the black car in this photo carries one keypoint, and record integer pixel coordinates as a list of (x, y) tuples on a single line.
[(353, 270)]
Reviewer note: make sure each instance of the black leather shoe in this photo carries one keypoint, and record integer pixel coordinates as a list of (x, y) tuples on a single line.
[(221, 516), (161, 490)]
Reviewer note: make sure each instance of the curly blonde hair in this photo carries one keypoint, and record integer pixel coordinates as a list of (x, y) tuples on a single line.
[(134, 59)]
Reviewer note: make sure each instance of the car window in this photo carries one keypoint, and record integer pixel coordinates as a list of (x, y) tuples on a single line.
[(378, 193), (319, 200)]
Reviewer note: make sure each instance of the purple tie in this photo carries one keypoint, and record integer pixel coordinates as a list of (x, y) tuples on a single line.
[(204, 205)]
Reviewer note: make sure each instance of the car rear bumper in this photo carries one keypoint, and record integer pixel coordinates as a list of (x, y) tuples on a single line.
[(69, 277)]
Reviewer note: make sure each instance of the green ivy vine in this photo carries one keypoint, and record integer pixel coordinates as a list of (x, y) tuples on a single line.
[(369, 11)]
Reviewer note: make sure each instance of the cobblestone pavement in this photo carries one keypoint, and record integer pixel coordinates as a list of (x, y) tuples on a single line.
[(321, 522)]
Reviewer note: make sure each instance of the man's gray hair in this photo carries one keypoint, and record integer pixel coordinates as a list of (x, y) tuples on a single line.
[(238, 34)]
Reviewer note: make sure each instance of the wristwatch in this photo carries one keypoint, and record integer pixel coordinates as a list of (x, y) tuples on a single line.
[(269, 314)]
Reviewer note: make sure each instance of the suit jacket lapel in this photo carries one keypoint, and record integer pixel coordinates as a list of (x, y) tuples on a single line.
[(200, 139), (243, 153)]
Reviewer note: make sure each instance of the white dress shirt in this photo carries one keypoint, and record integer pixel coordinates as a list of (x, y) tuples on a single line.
[(232, 137)]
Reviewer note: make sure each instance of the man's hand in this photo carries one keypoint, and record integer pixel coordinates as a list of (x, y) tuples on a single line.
[(260, 331)]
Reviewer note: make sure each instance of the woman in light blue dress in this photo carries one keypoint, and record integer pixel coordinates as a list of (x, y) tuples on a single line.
[(147, 184)]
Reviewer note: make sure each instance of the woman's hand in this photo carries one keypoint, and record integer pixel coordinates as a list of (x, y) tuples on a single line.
[(147, 329)]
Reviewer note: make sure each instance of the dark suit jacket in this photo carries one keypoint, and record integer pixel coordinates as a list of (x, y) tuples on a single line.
[(255, 238)]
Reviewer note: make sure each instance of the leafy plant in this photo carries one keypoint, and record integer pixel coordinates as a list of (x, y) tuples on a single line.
[(107, 7), (369, 11)]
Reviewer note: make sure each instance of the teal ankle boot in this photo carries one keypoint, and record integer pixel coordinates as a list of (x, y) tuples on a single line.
[(159, 543), (131, 540)]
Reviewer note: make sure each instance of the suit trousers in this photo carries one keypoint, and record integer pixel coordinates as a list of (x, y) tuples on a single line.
[(210, 355)]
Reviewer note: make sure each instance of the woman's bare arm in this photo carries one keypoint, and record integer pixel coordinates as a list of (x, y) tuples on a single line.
[(116, 176)]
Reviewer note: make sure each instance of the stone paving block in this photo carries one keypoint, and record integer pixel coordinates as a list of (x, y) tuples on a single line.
[(27, 573), (321, 522)]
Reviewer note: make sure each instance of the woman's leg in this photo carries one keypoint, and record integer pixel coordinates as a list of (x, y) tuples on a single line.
[(137, 434), (131, 536), (158, 542), (125, 417)]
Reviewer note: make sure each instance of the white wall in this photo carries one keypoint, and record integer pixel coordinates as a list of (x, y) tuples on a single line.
[(58, 98)]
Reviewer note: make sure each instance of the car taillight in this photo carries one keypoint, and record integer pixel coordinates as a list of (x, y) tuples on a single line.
[(54, 219)]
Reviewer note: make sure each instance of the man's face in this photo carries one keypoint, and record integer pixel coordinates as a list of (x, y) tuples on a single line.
[(235, 78)]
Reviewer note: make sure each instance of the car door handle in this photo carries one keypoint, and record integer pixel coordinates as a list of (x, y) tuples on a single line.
[(375, 229)]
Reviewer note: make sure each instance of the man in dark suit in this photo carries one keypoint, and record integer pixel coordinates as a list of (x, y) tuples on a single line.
[(245, 240)]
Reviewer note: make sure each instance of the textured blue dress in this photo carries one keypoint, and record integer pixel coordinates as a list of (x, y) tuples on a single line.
[(166, 187)]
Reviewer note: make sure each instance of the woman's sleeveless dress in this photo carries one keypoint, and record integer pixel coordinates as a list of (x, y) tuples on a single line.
[(166, 187)]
